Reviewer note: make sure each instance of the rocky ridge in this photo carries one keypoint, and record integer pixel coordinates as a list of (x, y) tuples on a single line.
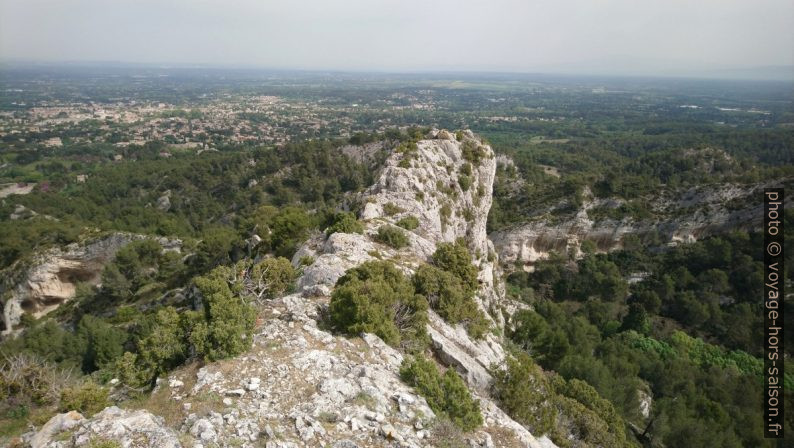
[(682, 217), (303, 386)]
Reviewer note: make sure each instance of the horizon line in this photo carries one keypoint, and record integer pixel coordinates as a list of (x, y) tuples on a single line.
[(725, 74)]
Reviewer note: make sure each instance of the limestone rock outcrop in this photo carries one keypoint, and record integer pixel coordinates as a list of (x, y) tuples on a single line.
[(129, 429), (680, 217), (427, 184), (49, 279)]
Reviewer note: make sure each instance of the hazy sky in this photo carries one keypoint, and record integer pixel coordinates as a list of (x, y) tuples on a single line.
[(501, 35)]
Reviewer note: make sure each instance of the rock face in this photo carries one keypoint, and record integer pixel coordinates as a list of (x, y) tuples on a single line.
[(426, 184), (683, 217), (49, 280)]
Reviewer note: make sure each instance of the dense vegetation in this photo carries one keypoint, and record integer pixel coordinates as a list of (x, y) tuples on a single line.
[(687, 335)]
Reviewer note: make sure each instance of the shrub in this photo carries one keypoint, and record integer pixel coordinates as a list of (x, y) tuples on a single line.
[(377, 298), (271, 278), (306, 260), (87, 398), (464, 182), (446, 213), (521, 389), (446, 395), (129, 371), (228, 321), (345, 222), (392, 236), (409, 222), (165, 344), (391, 209), (445, 434), (51, 342), (26, 320), (456, 259), (446, 294), (587, 395), (29, 379), (473, 152)]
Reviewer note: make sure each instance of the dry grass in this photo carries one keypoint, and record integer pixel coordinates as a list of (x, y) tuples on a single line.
[(504, 437), (444, 434)]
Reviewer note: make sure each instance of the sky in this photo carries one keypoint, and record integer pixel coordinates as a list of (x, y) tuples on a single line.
[(632, 36)]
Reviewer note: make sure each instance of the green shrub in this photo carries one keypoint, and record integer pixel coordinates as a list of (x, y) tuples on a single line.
[(271, 277), (473, 152), (446, 395), (377, 298), (51, 342), (522, 390), (129, 370), (465, 169), (391, 209), (409, 222), (163, 347), (306, 260), (456, 259), (392, 236), (464, 182), (87, 398), (345, 222), (454, 302), (587, 395), (26, 320), (290, 227), (227, 326)]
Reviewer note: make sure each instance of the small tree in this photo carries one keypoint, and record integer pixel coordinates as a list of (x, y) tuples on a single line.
[(454, 302)]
